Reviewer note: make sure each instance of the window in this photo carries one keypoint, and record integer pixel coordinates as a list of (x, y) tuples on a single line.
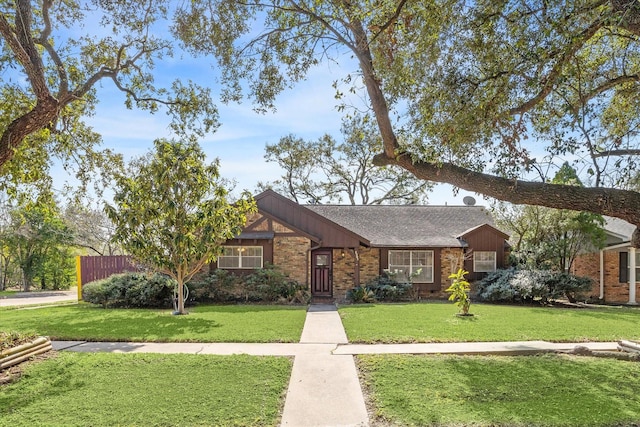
[(417, 263), (484, 261), (240, 257), (625, 262)]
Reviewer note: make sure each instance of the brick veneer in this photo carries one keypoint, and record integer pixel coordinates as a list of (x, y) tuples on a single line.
[(344, 269), (447, 267), (589, 265), (290, 253)]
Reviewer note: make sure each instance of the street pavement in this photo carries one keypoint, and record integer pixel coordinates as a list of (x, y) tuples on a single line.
[(39, 298)]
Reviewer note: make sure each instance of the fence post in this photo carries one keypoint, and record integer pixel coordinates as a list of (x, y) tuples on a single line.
[(79, 277)]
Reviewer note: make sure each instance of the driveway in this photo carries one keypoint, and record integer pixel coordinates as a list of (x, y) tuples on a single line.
[(39, 298)]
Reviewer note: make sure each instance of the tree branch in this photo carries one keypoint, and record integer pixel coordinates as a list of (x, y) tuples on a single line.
[(604, 201)]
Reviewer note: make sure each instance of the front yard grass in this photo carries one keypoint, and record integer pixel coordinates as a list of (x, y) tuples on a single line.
[(101, 389), (230, 323), (541, 391), (437, 322)]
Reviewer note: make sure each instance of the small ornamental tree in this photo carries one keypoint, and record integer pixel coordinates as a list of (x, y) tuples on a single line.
[(172, 213), (459, 291)]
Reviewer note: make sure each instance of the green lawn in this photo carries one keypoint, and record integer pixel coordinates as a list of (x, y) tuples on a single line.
[(549, 390), (82, 389), (232, 323), (437, 322)]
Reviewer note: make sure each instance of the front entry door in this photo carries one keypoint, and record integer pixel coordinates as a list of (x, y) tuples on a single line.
[(321, 276)]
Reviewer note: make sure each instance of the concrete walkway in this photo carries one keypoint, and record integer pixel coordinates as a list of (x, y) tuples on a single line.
[(324, 389)]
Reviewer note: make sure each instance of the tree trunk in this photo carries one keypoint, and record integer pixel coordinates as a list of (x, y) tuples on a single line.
[(180, 308)]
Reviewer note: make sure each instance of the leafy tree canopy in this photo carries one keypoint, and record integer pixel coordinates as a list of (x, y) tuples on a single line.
[(329, 171), (551, 238), (53, 57), (494, 93), (172, 214)]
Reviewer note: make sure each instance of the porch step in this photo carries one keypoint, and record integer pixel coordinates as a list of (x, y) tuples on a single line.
[(322, 300)]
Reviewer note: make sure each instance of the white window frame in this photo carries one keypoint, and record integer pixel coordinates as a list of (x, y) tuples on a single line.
[(427, 270), (241, 250), (481, 265)]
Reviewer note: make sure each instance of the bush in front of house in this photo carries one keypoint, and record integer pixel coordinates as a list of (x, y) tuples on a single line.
[(525, 285), (217, 286), (567, 285), (272, 285), (137, 290), (381, 288), (360, 294), (267, 284)]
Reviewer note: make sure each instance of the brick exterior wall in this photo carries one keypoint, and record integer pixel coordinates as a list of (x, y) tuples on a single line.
[(450, 260), (369, 264), (290, 254), (588, 265), (344, 269)]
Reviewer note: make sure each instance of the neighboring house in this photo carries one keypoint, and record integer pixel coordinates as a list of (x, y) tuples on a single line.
[(334, 248), (612, 267)]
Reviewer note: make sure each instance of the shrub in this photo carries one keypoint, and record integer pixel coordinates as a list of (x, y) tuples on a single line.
[(524, 285), (360, 294), (95, 293), (219, 286), (459, 291), (266, 284), (130, 290), (570, 286), (386, 288), (381, 288), (271, 284)]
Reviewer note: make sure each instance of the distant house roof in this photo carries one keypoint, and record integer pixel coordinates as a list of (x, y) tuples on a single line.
[(407, 225), (618, 230)]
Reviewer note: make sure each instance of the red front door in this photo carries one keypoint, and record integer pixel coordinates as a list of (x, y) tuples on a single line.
[(321, 275)]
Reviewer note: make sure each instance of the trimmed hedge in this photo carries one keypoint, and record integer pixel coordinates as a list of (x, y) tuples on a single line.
[(523, 285), (142, 290), (268, 284), (138, 290)]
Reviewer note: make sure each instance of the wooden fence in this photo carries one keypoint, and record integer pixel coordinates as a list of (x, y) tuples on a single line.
[(90, 268)]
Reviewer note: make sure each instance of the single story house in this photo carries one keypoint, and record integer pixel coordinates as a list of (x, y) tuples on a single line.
[(333, 248), (613, 267)]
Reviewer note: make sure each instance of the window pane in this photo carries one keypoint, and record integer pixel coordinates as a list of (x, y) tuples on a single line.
[(228, 262), (252, 251), (231, 251), (251, 262), (484, 261), (399, 258), (322, 260)]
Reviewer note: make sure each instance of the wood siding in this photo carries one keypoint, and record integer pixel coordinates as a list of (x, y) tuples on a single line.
[(481, 239), (321, 230)]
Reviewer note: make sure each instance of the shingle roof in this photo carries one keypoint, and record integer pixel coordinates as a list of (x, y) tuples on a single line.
[(621, 229), (407, 225)]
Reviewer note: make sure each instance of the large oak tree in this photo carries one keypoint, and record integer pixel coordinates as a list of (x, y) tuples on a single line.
[(326, 170), (494, 92), (53, 57)]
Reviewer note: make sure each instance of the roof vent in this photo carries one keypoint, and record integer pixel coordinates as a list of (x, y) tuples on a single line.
[(469, 201)]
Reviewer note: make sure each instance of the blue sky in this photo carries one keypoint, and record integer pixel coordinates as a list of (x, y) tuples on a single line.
[(308, 111)]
